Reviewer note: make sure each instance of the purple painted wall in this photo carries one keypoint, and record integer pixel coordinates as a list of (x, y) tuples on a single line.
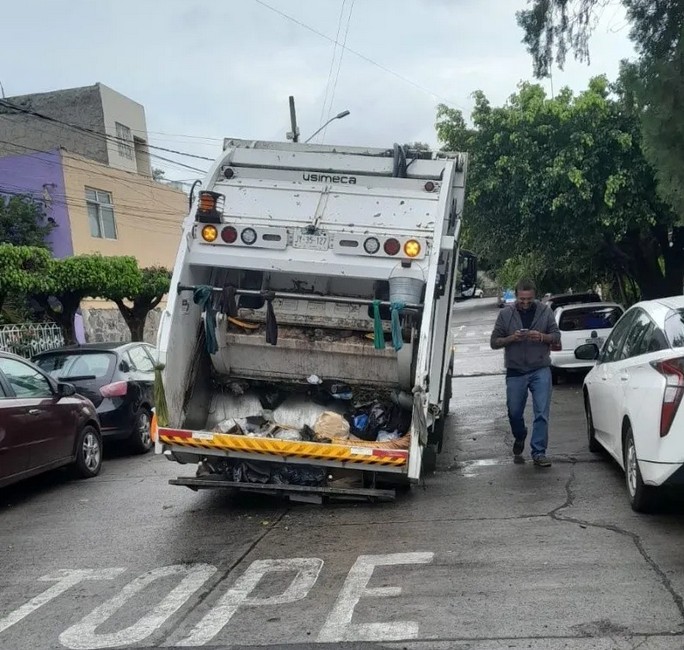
[(40, 175)]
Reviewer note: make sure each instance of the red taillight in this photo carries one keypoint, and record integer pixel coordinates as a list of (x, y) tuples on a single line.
[(229, 235), (673, 371), (117, 389), (392, 247)]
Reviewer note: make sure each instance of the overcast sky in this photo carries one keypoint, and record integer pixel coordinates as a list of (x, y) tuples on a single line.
[(205, 70)]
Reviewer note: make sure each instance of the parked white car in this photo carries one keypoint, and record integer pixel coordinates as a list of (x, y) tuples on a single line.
[(579, 324), (633, 394)]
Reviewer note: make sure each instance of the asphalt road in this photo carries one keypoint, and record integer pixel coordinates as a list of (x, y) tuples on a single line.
[(487, 554)]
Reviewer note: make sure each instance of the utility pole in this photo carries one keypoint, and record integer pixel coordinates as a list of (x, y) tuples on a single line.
[(294, 134)]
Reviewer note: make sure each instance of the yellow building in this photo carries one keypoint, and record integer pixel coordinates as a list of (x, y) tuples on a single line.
[(116, 212)]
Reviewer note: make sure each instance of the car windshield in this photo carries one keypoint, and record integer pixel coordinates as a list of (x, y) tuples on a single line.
[(70, 366), (674, 328), (589, 318)]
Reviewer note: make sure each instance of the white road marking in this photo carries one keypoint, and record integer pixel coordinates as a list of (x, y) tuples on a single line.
[(65, 579), (338, 627), (307, 570), (83, 635)]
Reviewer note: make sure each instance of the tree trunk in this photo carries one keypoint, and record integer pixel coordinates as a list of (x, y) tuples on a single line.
[(135, 318), (137, 327), (643, 253)]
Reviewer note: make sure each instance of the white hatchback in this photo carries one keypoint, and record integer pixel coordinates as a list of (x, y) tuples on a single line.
[(580, 324), (633, 394)]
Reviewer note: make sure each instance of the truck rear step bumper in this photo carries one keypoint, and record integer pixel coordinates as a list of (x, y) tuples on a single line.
[(293, 492), (396, 459)]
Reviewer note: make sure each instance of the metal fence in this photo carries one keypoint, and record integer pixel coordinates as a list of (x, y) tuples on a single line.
[(27, 339)]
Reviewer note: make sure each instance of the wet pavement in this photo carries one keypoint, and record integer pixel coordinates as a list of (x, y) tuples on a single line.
[(486, 554)]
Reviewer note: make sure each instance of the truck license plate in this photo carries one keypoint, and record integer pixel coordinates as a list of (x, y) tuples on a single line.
[(317, 242)]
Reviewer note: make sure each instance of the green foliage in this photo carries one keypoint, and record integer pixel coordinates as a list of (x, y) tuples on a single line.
[(145, 292), (23, 222), (23, 269), (92, 276), (564, 180), (655, 84), (72, 279)]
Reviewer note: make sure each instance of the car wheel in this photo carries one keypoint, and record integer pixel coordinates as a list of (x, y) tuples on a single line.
[(641, 496), (594, 445), (141, 440), (555, 377), (88, 452)]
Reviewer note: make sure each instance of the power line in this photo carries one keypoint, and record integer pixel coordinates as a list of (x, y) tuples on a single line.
[(40, 154), (332, 62), (339, 66), (106, 137), (356, 53)]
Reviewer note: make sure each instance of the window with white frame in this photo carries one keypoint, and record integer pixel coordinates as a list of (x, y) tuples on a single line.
[(100, 213), (125, 140)]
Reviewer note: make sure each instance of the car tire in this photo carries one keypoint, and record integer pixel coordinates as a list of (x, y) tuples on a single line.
[(555, 377), (88, 461), (594, 445), (448, 391), (641, 496), (140, 440)]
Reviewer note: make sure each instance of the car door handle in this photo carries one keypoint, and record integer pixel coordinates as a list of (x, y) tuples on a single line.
[(624, 376), (34, 412)]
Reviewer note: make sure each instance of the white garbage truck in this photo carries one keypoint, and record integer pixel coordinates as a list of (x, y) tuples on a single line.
[(305, 349)]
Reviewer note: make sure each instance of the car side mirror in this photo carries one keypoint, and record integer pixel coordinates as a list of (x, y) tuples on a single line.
[(65, 390), (124, 367), (587, 352)]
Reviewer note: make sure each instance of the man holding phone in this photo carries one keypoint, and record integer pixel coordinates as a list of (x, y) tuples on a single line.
[(526, 330)]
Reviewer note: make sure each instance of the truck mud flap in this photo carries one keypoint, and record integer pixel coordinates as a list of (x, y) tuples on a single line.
[(347, 454), (293, 492)]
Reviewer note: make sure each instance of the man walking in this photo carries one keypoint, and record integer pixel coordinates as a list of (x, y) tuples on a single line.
[(526, 330)]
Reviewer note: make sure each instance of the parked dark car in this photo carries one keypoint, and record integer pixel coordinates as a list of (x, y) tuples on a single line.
[(44, 424), (118, 378)]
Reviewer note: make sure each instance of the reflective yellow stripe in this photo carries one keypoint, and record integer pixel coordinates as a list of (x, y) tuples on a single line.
[(284, 448)]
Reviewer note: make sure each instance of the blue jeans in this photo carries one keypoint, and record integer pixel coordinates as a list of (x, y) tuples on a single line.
[(538, 383)]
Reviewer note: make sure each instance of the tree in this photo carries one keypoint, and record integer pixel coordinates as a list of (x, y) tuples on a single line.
[(151, 285), (553, 28), (72, 279), (158, 174), (566, 181), (23, 270), (23, 222)]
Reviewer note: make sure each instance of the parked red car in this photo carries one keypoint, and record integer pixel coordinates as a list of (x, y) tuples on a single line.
[(44, 424)]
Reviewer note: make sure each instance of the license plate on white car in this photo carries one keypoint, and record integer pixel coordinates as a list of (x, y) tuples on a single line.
[(598, 342), (316, 241)]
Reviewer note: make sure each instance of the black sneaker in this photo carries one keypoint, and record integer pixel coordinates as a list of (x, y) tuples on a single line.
[(542, 461), (518, 447)]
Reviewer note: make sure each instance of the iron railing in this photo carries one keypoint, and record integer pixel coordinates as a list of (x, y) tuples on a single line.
[(27, 339)]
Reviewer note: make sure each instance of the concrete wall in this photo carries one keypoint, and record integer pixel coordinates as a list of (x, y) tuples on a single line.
[(28, 134), (148, 214), (103, 324), (40, 176), (118, 108)]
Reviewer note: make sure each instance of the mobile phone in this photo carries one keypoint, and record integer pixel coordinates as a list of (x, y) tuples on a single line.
[(524, 331)]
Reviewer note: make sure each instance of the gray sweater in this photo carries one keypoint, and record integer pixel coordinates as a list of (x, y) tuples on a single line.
[(526, 356)]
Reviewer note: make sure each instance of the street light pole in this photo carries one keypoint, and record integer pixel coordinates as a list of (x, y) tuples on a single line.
[(339, 116)]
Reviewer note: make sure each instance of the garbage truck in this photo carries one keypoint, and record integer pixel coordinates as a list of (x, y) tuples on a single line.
[(305, 348)]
